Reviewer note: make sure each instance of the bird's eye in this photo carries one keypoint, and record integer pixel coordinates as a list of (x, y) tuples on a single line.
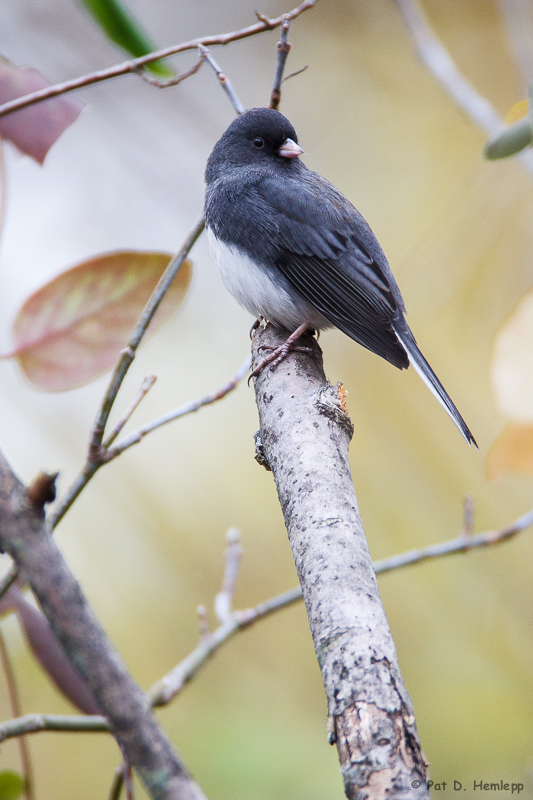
[(258, 142)]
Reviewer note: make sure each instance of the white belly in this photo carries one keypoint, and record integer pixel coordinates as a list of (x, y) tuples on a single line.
[(258, 293)]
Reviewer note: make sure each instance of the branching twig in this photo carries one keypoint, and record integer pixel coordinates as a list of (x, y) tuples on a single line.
[(284, 47), (25, 536), (34, 723), (141, 394), (128, 67), (162, 84), (436, 58), (294, 74), (223, 79), (129, 352), (90, 468), (189, 408), (461, 544), (95, 455), (173, 683), (14, 702)]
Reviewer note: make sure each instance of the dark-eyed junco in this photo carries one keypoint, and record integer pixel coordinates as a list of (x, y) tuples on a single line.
[(292, 249)]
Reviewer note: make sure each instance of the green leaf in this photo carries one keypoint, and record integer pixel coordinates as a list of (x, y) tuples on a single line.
[(510, 141), (122, 28), (11, 785)]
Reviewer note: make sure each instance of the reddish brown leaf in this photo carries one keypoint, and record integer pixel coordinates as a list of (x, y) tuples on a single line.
[(48, 651), (73, 329), (34, 129), (513, 449)]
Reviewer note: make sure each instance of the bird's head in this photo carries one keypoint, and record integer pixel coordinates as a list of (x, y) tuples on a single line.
[(257, 136)]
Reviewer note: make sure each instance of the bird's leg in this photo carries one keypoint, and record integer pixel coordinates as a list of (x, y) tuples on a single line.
[(279, 353)]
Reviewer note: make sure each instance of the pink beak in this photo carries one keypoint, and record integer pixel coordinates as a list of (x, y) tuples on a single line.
[(290, 149)]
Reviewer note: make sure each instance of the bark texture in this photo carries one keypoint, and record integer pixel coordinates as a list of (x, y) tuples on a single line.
[(24, 535), (304, 437)]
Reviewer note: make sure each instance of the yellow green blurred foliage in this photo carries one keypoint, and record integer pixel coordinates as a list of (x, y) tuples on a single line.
[(146, 538)]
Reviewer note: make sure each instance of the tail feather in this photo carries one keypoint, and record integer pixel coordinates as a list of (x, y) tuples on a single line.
[(422, 367)]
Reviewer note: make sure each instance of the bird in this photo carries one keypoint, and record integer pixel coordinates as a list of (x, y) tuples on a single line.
[(293, 250)]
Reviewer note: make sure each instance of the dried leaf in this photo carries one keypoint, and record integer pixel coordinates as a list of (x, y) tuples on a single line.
[(34, 129), (48, 652), (72, 330), (11, 785), (512, 363), (513, 449)]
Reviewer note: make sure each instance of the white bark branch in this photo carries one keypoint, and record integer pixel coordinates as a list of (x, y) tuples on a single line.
[(303, 439)]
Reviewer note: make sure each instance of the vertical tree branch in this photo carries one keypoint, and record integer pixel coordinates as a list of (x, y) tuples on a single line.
[(24, 535), (303, 439), (284, 48)]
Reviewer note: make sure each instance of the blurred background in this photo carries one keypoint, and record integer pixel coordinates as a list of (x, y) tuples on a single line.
[(146, 539)]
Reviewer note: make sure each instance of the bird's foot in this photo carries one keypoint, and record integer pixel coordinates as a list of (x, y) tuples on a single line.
[(279, 353)]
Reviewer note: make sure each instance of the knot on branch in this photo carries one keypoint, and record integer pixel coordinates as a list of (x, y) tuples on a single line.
[(374, 749), (42, 490), (260, 455), (331, 401)]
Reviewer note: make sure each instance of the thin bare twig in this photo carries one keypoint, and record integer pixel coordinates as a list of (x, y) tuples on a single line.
[(8, 579), (174, 682), (118, 783), (128, 781), (203, 623), (162, 84), (223, 79), (95, 455), (189, 408), (14, 702), (294, 74), (35, 723), (468, 514), (128, 67), (224, 599), (168, 687), (284, 48), (461, 544), (436, 58), (129, 352), (141, 394)]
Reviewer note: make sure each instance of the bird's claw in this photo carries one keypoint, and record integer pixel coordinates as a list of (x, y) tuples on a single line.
[(277, 356)]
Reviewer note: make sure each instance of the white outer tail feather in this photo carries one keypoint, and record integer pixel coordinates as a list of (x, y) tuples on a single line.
[(420, 365)]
